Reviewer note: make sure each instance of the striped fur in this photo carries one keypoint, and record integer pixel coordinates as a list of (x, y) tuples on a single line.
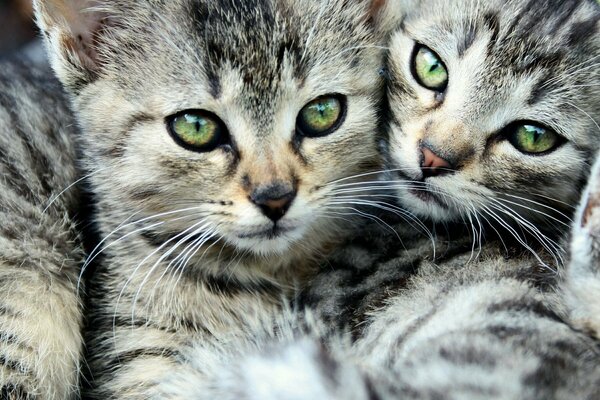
[(40, 250), (456, 324)]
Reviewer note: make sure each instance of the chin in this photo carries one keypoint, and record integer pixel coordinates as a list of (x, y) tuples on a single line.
[(426, 206), (267, 244)]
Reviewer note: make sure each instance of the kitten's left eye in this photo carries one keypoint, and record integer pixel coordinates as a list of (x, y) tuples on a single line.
[(197, 130), (429, 70), (533, 139), (321, 117)]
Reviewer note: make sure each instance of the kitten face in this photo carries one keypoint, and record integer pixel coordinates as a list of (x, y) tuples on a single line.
[(493, 105), (205, 110)]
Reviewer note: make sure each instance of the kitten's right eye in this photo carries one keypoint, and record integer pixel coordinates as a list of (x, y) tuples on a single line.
[(197, 130), (429, 70)]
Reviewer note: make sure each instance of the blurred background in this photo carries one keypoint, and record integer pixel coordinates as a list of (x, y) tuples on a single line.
[(16, 25)]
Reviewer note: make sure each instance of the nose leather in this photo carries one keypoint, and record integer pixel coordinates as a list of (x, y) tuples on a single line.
[(274, 200), (434, 165)]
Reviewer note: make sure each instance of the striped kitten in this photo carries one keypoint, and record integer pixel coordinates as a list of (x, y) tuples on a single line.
[(448, 324), (217, 134), (40, 251), (492, 113)]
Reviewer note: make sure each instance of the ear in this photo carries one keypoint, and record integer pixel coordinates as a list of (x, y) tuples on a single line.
[(386, 14), (72, 29)]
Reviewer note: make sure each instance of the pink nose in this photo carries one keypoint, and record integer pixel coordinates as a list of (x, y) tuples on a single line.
[(433, 165)]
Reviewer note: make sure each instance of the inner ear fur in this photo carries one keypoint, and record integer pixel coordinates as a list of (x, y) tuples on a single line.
[(71, 29), (387, 14)]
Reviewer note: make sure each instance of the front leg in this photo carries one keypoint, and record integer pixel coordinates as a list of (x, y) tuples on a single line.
[(138, 352), (582, 285)]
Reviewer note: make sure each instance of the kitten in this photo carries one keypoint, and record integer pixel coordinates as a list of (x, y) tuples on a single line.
[(40, 250), (492, 113), (217, 134), (447, 324)]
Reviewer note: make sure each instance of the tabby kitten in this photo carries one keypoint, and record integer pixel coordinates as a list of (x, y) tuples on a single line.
[(492, 113), (447, 324), (216, 134), (40, 250)]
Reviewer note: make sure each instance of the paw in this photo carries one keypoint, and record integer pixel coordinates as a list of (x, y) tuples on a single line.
[(582, 281), (589, 213)]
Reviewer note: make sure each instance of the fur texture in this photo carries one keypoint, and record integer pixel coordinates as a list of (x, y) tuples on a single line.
[(582, 282), (40, 250)]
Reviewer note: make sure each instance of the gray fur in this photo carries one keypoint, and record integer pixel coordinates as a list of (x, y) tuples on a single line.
[(40, 250), (457, 323)]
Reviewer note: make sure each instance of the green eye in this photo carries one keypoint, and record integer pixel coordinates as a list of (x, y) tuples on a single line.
[(321, 117), (533, 139), (198, 130), (429, 70)]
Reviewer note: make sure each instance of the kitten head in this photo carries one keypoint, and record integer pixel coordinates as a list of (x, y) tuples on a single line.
[(223, 120), (493, 106)]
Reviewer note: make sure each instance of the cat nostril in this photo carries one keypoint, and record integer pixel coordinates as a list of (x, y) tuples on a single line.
[(274, 201), (434, 165)]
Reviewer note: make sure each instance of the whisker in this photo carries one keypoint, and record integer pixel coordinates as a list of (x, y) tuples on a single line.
[(55, 198)]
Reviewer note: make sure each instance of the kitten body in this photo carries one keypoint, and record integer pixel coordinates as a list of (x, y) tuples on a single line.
[(203, 245), (491, 321), (40, 248)]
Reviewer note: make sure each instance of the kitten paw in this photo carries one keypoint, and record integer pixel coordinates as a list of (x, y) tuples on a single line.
[(582, 284)]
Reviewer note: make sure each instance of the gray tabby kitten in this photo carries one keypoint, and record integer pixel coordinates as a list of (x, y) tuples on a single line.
[(492, 113), (450, 325), (217, 134), (501, 137), (40, 251)]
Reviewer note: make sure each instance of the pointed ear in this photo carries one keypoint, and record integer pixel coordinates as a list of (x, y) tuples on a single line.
[(72, 29)]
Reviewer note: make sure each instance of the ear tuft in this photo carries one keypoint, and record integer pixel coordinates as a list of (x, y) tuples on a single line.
[(71, 29)]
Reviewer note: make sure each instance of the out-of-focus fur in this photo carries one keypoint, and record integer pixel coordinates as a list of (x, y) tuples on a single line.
[(40, 250)]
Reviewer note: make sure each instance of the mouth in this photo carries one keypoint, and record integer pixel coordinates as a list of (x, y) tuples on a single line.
[(272, 233), (422, 190)]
